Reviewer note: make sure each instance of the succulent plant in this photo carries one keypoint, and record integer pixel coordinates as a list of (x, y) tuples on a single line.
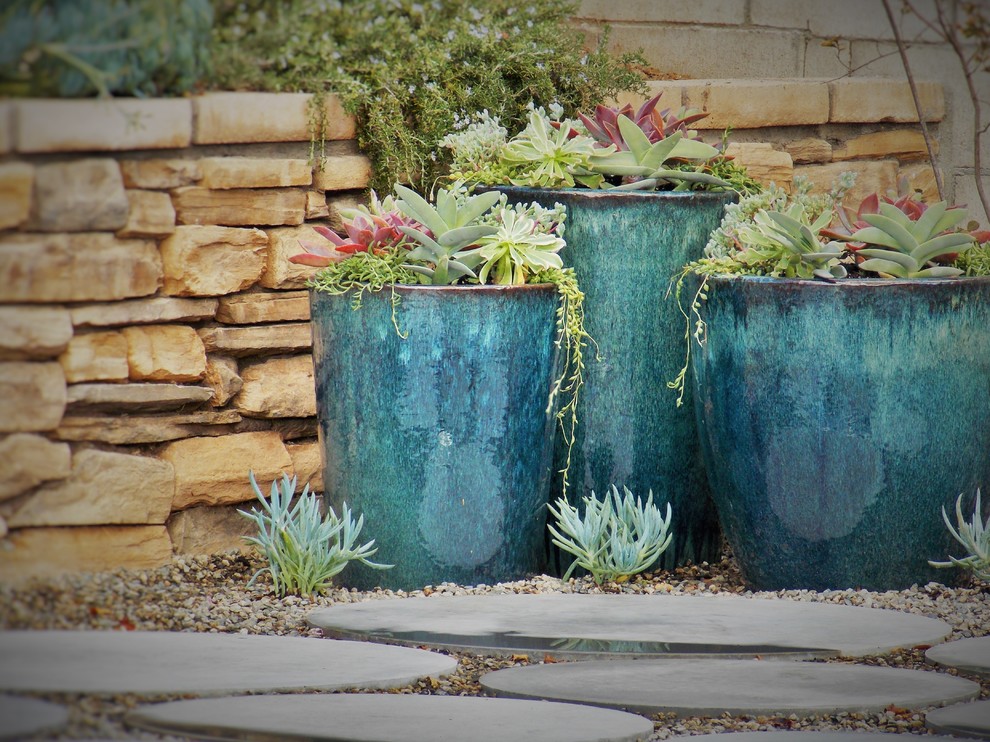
[(656, 125), (899, 246), (454, 228), (646, 164), (790, 244), (616, 538), (374, 228), (517, 250), (304, 549), (975, 536), (545, 157)]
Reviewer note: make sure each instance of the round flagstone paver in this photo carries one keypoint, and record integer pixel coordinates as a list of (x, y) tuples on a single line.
[(20, 717), (964, 720), (582, 626), (375, 717), (716, 686), (148, 662), (968, 655)]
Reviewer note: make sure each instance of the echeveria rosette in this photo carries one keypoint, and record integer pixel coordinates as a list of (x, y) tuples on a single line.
[(544, 157), (517, 250), (788, 244)]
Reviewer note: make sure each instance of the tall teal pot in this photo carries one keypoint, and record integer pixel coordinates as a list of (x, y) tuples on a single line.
[(625, 247), (441, 439), (838, 419)]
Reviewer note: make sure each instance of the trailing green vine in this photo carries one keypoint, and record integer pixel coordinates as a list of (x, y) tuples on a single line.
[(409, 71)]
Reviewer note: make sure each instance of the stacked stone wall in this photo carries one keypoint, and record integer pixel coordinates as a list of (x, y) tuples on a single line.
[(155, 339)]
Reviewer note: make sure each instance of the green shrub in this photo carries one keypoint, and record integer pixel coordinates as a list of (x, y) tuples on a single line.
[(78, 48)]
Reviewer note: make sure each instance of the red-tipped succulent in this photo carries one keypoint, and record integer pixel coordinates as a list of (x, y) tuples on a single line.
[(376, 229), (849, 223), (657, 125)]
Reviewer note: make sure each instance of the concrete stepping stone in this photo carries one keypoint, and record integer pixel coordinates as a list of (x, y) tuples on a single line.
[(149, 662), (716, 686), (20, 717), (389, 718), (786, 735), (588, 626), (969, 655), (964, 720)]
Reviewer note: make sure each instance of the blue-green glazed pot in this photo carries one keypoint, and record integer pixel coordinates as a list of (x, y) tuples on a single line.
[(625, 247), (441, 439), (838, 419)]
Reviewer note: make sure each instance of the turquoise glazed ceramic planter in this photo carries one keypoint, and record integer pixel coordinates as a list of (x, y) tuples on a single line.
[(624, 248), (441, 440), (838, 419)]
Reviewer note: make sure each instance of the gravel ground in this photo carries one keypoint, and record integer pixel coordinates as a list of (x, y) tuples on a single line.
[(212, 594)]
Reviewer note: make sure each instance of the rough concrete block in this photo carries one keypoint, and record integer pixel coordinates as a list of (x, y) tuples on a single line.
[(873, 100), (715, 12)]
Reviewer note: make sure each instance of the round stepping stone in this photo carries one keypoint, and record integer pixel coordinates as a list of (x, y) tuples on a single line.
[(20, 717), (388, 718), (148, 662), (582, 626), (964, 720), (968, 655), (715, 687)]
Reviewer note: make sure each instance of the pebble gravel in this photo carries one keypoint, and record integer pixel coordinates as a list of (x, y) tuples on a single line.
[(214, 594)]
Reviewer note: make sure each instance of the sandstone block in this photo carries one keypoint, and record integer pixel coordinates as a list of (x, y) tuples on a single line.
[(32, 396), (27, 460), (6, 126), (210, 530), (80, 267), (234, 118), (855, 100), (316, 205), (150, 215), (28, 333), (104, 488), (336, 202), (95, 356), (871, 177), (120, 398), (253, 309), (253, 172), (921, 178), (44, 552), (261, 340), (764, 163), (903, 144), (102, 125), (809, 149), (240, 207), (164, 353), (670, 91), (160, 174), (128, 430), (279, 272), (79, 196), (222, 377), (307, 461), (214, 471), (279, 387), (16, 186), (752, 104), (143, 312), (342, 173), (205, 261)]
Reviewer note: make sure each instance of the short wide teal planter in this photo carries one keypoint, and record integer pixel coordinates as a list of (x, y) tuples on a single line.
[(838, 419), (440, 439), (625, 247)]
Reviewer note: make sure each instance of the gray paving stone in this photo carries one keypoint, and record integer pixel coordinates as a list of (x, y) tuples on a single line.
[(964, 720), (582, 626), (714, 687), (970, 655), (388, 718), (20, 717), (147, 662)]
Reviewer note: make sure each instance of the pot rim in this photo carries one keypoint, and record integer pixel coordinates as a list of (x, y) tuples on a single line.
[(595, 193), (486, 288), (853, 283)]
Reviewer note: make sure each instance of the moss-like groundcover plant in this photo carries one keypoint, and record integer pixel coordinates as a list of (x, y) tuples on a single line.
[(461, 238), (409, 69)]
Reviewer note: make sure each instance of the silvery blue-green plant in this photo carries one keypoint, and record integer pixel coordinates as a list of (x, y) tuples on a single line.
[(616, 538), (975, 536), (788, 242), (304, 549), (546, 157), (517, 250)]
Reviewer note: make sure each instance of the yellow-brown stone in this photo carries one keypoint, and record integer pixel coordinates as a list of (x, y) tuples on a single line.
[(239, 207), (211, 261), (16, 185), (95, 356), (164, 353), (32, 397), (150, 215), (263, 307), (28, 333), (278, 387), (28, 460), (254, 172)]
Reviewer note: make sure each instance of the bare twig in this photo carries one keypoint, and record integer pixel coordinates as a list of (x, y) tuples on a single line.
[(912, 83)]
